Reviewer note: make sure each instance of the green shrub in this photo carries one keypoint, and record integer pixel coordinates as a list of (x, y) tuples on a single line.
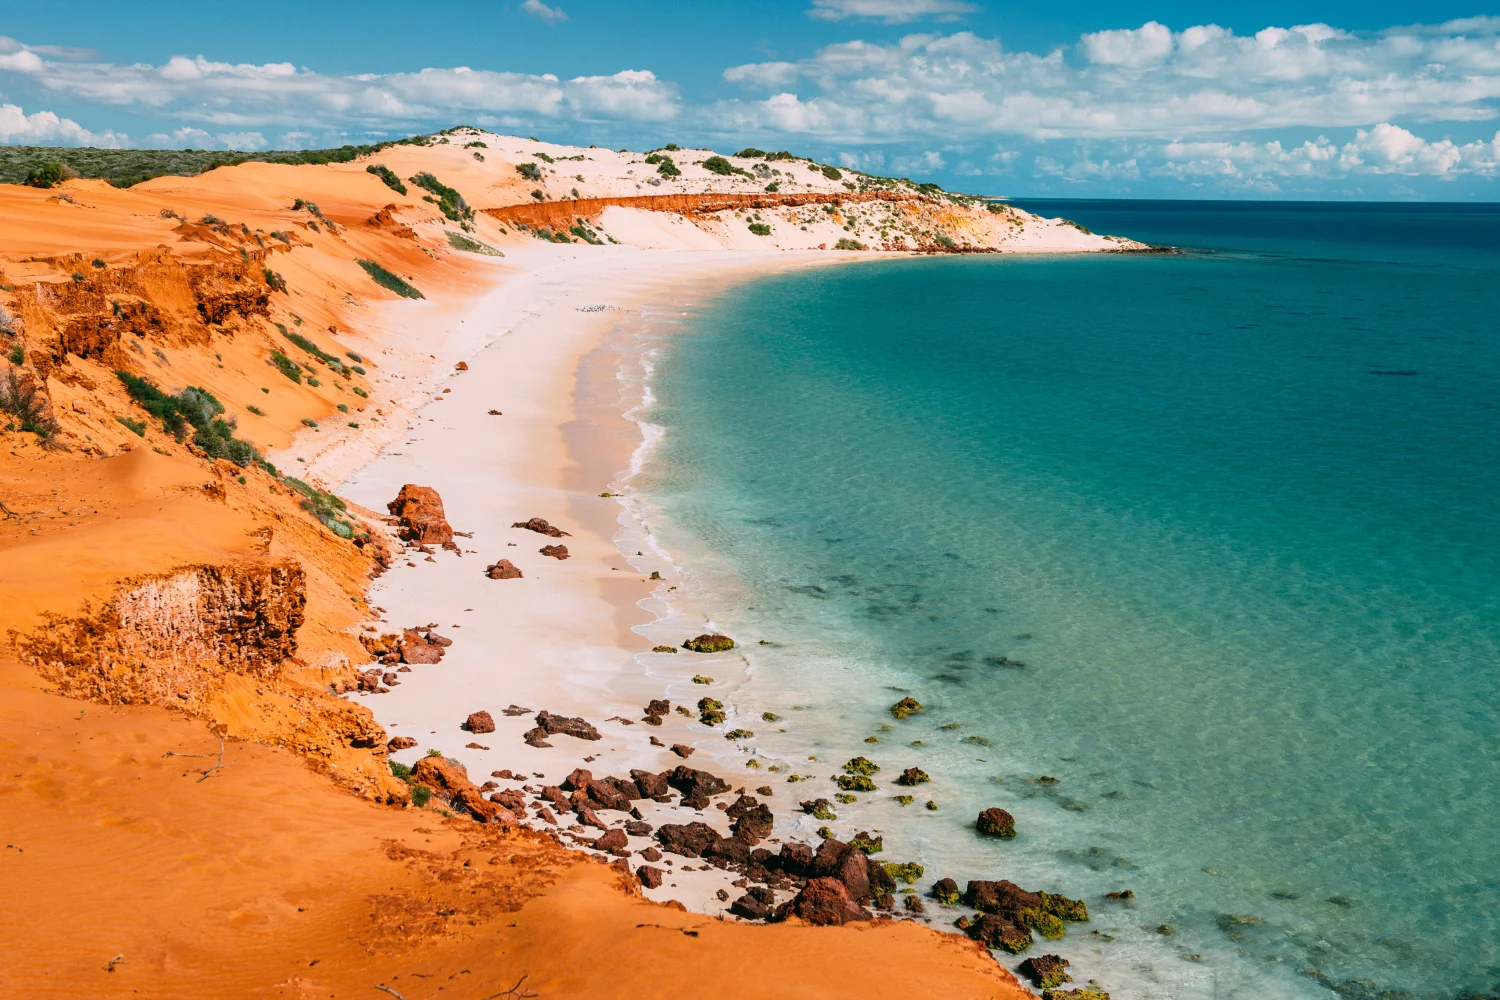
[(773, 187), (586, 234), (127, 167), (833, 173), (420, 795), (49, 175), (848, 244), (360, 392), (137, 426), (448, 201), (387, 175), (401, 771), (529, 171), (326, 507), (459, 241), (476, 143), (256, 410), (722, 167), (391, 282), (760, 229), (286, 366), (274, 280), (331, 360), (194, 408), (751, 153), (17, 355)]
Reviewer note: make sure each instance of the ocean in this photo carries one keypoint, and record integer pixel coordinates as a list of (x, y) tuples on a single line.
[(1192, 559)]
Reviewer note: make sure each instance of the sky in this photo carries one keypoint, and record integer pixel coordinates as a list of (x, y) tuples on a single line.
[(1328, 99)]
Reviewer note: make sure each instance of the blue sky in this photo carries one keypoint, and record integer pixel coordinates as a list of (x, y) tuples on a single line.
[(1133, 98)]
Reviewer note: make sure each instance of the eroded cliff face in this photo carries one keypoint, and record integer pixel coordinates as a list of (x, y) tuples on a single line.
[(218, 642), (173, 637)]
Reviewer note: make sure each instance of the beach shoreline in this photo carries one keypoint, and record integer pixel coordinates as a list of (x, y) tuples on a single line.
[(567, 636)]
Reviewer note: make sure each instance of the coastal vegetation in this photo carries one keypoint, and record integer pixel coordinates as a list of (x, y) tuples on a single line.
[(127, 167), (196, 409), (448, 201), (459, 241), (389, 281), (529, 171), (387, 175)]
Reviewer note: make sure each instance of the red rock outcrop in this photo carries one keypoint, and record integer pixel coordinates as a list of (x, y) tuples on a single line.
[(449, 779), (420, 511)]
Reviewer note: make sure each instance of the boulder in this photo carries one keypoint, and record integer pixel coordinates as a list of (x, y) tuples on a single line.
[(996, 931), (480, 722), (638, 828), (945, 890), (651, 854), (906, 706), (1001, 897), (709, 642), (555, 551), (536, 737), (756, 904), (752, 821), (689, 840), (1046, 971), (613, 841), (540, 527), (449, 779), (848, 865), (562, 725), (697, 787), (515, 710), (682, 750), (729, 849), (413, 647), (513, 799), (912, 776), (796, 859), (401, 743), (588, 817), (503, 570), (420, 511), (996, 822), (650, 877), (824, 902), (651, 786)]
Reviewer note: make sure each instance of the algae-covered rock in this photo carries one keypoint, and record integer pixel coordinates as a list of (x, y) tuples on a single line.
[(905, 871), (1072, 910), (996, 822), (912, 776), (845, 797), (904, 800), (820, 809), (906, 706), (1046, 971), (855, 783), (862, 841), (861, 765), (770, 717), (738, 734), (710, 711), (709, 643), (663, 649), (914, 905), (701, 679), (1044, 923), (1074, 995), (997, 931)]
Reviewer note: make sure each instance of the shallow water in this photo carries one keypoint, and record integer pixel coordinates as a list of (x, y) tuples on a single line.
[(1210, 538)]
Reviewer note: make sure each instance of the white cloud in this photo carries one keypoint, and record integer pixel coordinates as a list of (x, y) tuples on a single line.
[(46, 128), (541, 10), (1385, 149), (771, 75), (890, 11), (243, 96), (1147, 82)]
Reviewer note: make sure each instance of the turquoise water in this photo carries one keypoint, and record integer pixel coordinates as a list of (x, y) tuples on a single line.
[(1235, 513)]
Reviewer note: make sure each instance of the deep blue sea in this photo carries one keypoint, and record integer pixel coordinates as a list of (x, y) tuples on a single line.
[(1212, 539)]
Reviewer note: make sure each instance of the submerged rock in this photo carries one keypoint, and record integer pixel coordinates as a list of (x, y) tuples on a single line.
[(709, 643), (906, 706), (945, 890), (912, 776), (1046, 971), (996, 822)]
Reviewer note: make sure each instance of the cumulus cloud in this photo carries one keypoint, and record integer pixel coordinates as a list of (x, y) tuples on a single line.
[(890, 11), (1385, 149), (538, 9), (46, 128), (246, 96), (1149, 81)]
